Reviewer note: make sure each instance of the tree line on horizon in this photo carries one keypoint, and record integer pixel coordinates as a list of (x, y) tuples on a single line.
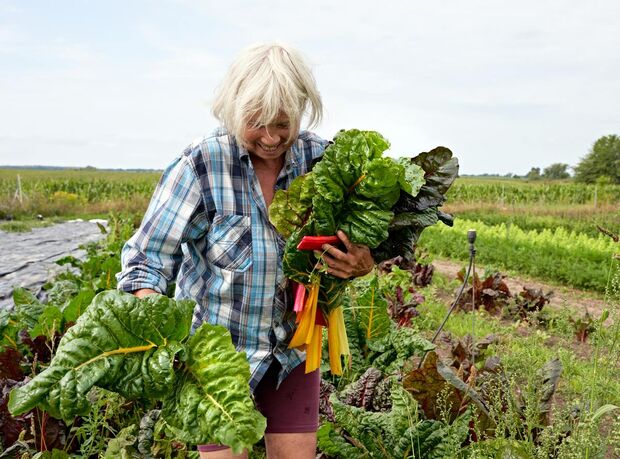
[(601, 165)]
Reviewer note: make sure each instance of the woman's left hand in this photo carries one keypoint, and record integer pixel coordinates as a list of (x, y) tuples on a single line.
[(356, 261)]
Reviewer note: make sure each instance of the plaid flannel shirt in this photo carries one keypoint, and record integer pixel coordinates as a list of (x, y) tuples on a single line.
[(207, 227)]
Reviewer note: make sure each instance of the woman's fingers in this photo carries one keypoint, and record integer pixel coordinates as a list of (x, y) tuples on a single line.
[(356, 261)]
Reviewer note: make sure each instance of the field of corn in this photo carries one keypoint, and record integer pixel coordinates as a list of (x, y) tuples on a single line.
[(508, 376)]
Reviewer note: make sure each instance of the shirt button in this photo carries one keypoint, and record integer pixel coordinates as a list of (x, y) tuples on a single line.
[(280, 333)]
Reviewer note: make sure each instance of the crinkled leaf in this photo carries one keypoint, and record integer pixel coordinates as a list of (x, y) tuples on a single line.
[(334, 444), (445, 218), (365, 222), (364, 426), (377, 432), (360, 393), (27, 308), (146, 435), (396, 348), (548, 378), (289, 208), (419, 220), (324, 213), (440, 168), (121, 343), (383, 178), (440, 171), (211, 402), (352, 168), (5, 317), (60, 291), (413, 178), (344, 161)]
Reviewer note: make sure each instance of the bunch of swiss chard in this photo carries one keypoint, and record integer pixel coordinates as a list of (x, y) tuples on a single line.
[(380, 202), (142, 350)]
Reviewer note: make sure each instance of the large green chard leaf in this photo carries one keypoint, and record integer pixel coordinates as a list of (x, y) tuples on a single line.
[(366, 222), (324, 215), (288, 210), (141, 349), (27, 308), (353, 190), (371, 309), (211, 401), (120, 343), (382, 182), (393, 350), (345, 161)]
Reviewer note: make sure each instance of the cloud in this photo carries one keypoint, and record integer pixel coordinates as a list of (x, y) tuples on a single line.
[(506, 85)]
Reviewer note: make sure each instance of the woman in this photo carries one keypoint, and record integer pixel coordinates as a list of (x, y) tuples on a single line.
[(207, 228)]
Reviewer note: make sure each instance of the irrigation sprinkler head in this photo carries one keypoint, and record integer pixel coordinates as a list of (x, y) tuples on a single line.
[(471, 236)]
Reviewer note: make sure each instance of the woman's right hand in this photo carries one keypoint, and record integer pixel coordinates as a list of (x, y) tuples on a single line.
[(144, 292)]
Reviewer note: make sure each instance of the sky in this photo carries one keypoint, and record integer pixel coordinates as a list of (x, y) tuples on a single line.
[(507, 86)]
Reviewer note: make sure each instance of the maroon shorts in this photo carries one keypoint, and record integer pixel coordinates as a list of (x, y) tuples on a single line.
[(292, 408)]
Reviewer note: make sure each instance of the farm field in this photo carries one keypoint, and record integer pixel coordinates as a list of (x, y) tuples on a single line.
[(71, 193), (521, 376)]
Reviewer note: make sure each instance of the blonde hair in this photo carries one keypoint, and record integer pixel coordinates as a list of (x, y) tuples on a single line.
[(264, 82)]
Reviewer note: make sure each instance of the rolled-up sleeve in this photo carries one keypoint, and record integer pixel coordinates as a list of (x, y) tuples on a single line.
[(176, 213)]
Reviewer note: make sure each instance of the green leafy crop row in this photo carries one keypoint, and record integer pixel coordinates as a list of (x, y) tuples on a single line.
[(571, 259), (516, 192)]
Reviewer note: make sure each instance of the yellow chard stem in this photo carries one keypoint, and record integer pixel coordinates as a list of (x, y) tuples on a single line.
[(305, 328), (333, 340), (315, 348)]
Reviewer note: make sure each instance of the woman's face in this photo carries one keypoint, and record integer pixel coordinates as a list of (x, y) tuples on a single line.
[(270, 141)]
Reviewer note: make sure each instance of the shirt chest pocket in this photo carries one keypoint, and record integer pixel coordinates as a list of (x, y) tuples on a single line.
[(229, 242)]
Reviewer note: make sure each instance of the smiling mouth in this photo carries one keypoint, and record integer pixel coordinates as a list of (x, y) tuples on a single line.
[(268, 149)]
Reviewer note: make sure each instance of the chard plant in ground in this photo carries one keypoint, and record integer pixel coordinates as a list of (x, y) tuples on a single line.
[(141, 349)]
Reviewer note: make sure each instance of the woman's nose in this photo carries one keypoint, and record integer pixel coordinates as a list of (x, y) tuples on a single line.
[(268, 137)]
